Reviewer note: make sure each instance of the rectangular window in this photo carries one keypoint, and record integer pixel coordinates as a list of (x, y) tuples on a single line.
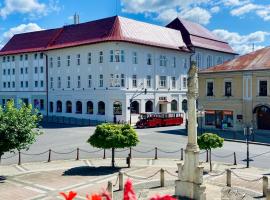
[(4, 84), (36, 84), (41, 55), (26, 57), (4, 72), (89, 58), (26, 84), (21, 57), (41, 70), (13, 71), (21, 70), (8, 59), (149, 59), (162, 81), (122, 56), (59, 82), (262, 88), (173, 83), (210, 88), (111, 55), (8, 84), (36, 70), (163, 61), (174, 62), (51, 82), (148, 81), (13, 84), (26, 70), (101, 57), (228, 88), (4, 59), (122, 80), (184, 82), (79, 82), (134, 81), (134, 58), (117, 56), (58, 61), (68, 82), (36, 56), (89, 81), (100, 80), (51, 62), (78, 59), (210, 118), (21, 84), (8, 71), (68, 61), (42, 84)]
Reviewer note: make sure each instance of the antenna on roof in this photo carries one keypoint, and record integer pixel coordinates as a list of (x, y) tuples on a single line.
[(116, 7), (76, 18), (253, 47)]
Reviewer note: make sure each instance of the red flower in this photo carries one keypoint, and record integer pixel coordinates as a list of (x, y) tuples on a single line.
[(70, 195), (167, 197), (129, 193), (94, 197)]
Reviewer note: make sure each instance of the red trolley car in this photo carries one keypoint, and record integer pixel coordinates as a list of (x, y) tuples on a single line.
[(150, 120)]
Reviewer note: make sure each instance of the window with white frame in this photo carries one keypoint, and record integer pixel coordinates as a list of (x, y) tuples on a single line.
[(162, 81), (184, 82), (199, 60), (36, 84), (41, 84), (209, 61), (68, 60), (174, 62), (89, 58), (134, 81), (263, 88), (79, 82), (148, 81), (13, 84), (115, 80), (101, 80), (59, 82), (58, 61), (117, 56), (149, 59), (68, 82), (26, 84), (26, 70), (122, 80), (51, 82), (89, 81), (78, 59), (219, 60), (101, 57), (209, 88), (163, 61), (36, 70), (173, 82), (51, 62), (247, 89), (134, 58)]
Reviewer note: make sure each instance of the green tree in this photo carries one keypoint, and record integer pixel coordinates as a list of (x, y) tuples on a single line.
[(113, 136), (209, 141), (18, 127)]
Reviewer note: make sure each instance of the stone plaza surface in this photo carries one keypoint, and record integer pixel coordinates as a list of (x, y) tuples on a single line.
[(36, 181)]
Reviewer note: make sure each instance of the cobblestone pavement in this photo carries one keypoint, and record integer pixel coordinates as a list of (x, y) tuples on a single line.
[(36, 181)]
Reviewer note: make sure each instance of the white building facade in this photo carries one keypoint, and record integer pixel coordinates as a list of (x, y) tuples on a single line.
[(97, 80)]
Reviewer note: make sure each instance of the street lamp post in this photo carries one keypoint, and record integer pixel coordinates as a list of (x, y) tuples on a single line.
[(131, 100), (247, 132)]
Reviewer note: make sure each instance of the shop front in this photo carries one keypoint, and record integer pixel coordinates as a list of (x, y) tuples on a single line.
[(221, 119)]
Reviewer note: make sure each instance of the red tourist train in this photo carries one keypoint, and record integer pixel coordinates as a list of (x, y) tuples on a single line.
[(150, 120)]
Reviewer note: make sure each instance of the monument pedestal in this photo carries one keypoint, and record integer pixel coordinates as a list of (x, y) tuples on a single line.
[(190, 183)]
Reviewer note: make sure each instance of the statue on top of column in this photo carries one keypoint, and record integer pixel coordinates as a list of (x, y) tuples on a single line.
[(193, 80)]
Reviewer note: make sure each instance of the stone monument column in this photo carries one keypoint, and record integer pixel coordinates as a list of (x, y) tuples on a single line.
[(190, 183)]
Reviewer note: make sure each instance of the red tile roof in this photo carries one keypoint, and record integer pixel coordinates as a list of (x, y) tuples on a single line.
[(198, 36), (108, 29), (257, 60)]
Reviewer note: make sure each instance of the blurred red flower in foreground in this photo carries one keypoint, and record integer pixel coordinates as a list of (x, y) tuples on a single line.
[(70, 196), (129, 194)]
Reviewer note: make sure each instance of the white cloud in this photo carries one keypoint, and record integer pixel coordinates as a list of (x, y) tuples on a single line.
[(197, 14), (31, 7), (23, 28), (244, 9), (243, 43), (163, 11), (215, 9), (235, 2)]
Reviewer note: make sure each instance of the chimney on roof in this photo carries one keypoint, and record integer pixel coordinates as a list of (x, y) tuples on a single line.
[(76, 18)]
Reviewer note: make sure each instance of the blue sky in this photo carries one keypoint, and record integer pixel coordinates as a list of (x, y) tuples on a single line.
[(240, 22)]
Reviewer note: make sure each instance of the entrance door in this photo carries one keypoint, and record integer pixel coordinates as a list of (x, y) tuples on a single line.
[(219, 118), (263, 118), (162, 108)]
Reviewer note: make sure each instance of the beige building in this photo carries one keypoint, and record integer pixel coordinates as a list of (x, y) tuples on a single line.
[(236, 94)]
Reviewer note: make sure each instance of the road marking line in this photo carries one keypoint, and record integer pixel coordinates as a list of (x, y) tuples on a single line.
[(38, 197), (44, 187), (73, 186), (150, 162), (87, 163), (35, 189), (105, 179), (84, 186), (20, 168)]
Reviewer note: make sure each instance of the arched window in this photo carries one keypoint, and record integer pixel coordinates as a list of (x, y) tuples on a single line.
[(68, 107), (174, 106), (184, 105), (117, 108), (149, 106), (59, 106), (90, 107), (219, 60), (36, 103), (79, 107), (51, 106), (199, 60), (135, 107), (101, 108)]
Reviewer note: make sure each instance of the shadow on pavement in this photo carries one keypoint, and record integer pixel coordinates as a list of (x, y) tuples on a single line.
[(174, 132), (91, 171)]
